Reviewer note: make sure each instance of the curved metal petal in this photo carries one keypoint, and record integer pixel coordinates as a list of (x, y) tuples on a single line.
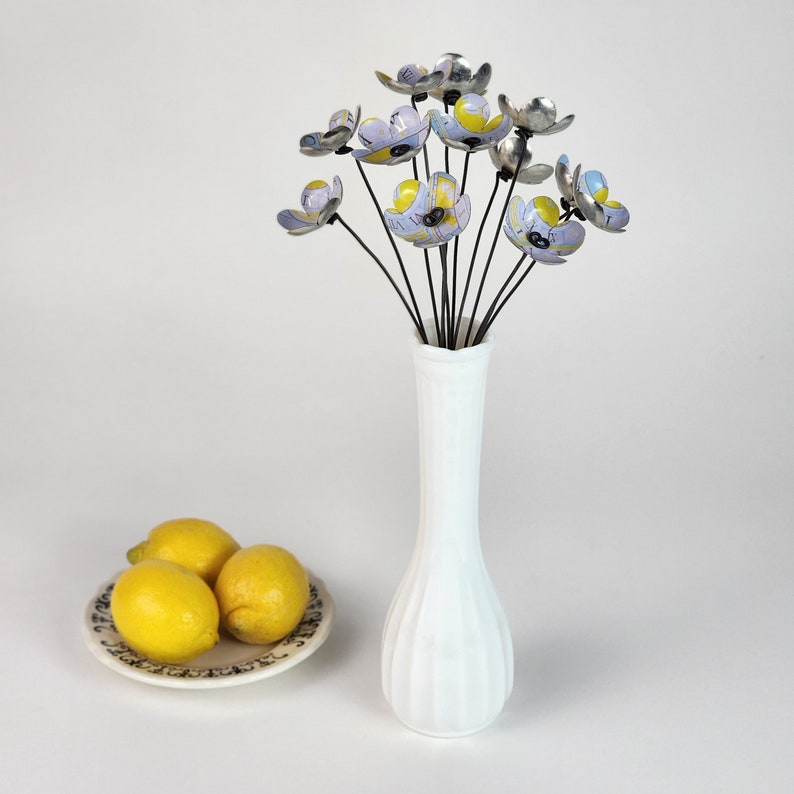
[(538, 114), (590, 208), (459, 68), (442, 191), (404, 118), (559, 126), (566, 238), (459, 78), (394, 85), (542, 213), (406, 224), (292, 219), (345, 118), (479, 82), (440, 123), (373, 132), (616, 217), (506, 156), (414, 193), (575, 183), (513, 225), (534, 174), (562, 174), (498, 128), (336, 138), (508, 108), (336, 190), (611, 217), (465, 138), (451, 134), (341, 127), (547, 256), (444, 65), (405, 219), (328, 211), (430, 81), (311, 145)]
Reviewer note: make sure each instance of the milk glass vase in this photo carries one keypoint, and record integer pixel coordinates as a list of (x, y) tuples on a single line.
[(447, 656)]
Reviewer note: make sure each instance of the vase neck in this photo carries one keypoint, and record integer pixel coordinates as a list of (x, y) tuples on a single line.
[(451, 399)]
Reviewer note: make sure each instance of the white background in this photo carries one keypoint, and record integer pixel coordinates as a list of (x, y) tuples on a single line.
[(167, 350)]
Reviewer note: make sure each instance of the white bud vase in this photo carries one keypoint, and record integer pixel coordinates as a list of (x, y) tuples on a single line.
[(447, 656)]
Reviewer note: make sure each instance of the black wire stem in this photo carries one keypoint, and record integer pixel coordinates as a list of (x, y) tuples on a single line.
[(490, 315), (393, 243), (520, 158), (424, 149), (474, 256), (427, 161), (499, 294), (454, 305), (416, 320), (432, 294), (447, 341), (485, 325)]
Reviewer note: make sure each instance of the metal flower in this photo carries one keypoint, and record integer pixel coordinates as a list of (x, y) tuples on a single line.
[(341, 127), (471, 128), (459, 78), (415, 80), (588, 193), (429, 215), (507, 158), (537, 117), (396, 142), (535, 228), (320, 202)]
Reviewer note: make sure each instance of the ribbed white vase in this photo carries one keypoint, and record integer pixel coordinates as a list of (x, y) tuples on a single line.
[(447, 656)]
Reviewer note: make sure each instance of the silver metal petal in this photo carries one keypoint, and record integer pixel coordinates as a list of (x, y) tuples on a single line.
[(575, 183), (590, 208), (400, 86), (328, 210), (559, 126), (460, 77), (479, 82), (506, 155), (427, 83), (337, 138), (508, 108), (311, 145), (535, 174), (538, 114), (460, 145), (562, 174), (460, 69)]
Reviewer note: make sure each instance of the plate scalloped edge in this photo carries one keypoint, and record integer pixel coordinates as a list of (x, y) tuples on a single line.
[(244, 663)]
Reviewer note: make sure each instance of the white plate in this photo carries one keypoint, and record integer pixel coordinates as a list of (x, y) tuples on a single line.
[(230, 662)]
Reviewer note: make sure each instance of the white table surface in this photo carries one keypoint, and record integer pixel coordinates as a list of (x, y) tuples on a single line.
[(166, 350)]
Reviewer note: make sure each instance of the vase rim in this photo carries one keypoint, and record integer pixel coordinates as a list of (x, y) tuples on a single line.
[(459, 354)]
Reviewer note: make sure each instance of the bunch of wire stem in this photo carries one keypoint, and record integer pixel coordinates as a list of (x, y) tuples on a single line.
[(453, 326)]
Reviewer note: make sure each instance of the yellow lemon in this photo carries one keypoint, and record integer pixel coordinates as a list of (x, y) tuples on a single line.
[(263, 592), (165, 611), (199, 545)]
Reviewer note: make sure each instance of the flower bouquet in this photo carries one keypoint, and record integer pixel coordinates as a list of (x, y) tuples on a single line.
[(432, 213), (446, 653)]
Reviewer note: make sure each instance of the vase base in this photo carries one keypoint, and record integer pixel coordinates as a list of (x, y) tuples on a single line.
[(459, 733)]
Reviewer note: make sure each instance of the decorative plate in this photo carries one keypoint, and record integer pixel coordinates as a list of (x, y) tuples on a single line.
[(230, 662)]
